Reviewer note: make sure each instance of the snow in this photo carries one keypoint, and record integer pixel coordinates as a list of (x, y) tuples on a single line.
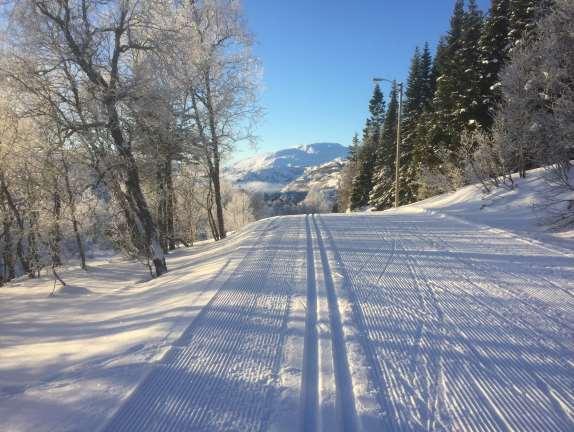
[(324, 177), (514, 211), (452, 314), (275, 170), (68, 360)]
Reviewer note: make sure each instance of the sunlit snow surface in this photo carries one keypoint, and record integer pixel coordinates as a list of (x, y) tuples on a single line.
[(402, 320)]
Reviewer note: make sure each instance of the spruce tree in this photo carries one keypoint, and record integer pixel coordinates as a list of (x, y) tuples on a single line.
[(426, 79), (523, 17), (354, 148), (494, 46), (450, 81), (414, 87), (475, 110), (382, 194), (362, 183), (418, 100), (457, 102), (344, 188)]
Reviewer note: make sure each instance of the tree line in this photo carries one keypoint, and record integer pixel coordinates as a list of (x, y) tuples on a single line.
[(496, 98), (115, 117)]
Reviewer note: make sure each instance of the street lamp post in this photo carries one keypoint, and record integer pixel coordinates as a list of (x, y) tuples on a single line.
[(397, 159)]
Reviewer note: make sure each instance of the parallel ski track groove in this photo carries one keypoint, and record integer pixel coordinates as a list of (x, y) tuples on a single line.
[(345, 396), (310, 375), (379, 377), (372, 304)]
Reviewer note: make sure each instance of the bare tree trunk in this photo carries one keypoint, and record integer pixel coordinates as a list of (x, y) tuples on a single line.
[(162, 204), (210, 219), (214, 169), (33, 253), (20, 223), (56, 235), (73, 214), (212, 225), (136, 199), (170, 207), (7, 254), (217, 195), (521, 162)]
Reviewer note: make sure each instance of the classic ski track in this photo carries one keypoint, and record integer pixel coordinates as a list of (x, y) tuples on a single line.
[(345, 403), (310, 375), (210, 380), (379, 377), (443, 348), (507, 418)]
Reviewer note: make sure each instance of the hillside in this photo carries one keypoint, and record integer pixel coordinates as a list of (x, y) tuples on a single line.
[(324, 177), (272, 172)]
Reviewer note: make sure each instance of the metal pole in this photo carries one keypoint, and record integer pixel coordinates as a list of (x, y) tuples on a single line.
[(397, 160)]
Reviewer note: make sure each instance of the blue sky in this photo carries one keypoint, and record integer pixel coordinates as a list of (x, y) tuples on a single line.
[(319, 57)]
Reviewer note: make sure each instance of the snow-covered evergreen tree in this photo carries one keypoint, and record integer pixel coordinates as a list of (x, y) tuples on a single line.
[(523, 17), (418, 98), (426, 77), (475, 110), (494, 46), (362, 183), (456, 104), (382, 194), (344, 188)]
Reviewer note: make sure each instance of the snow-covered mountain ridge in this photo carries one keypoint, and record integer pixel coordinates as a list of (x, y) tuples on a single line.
[(324, 176), (274, 171)]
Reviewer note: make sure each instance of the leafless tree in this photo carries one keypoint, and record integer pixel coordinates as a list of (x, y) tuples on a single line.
[(76, 58), (218, 76)]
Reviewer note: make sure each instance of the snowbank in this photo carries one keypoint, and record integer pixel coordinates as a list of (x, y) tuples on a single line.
[(514, 210)]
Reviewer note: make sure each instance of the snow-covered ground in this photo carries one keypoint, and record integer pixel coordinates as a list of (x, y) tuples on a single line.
[(520, 210), (415, 319)]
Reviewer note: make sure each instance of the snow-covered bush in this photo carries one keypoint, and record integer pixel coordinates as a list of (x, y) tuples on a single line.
[(238, 209), (319, 200), (485, 160), (446, 176)]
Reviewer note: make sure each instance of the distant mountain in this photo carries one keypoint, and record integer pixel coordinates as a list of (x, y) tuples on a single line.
[(275, 171), (324, 176), (320, 185)]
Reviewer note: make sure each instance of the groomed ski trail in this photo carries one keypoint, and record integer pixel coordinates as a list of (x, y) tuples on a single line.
[(372, 322)]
